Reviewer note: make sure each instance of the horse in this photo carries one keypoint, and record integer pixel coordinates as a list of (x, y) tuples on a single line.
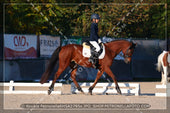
[(71, 55), (163, 65)]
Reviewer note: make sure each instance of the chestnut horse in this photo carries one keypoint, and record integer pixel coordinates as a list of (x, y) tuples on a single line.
[(71, 55)]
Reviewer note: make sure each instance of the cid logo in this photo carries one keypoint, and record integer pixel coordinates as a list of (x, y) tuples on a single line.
[(20, 41)]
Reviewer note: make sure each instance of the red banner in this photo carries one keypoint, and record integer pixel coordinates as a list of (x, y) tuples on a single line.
[(20, 46)]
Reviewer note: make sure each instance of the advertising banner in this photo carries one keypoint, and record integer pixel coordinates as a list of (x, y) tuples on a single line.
[(20, 46), (1, 46), (71, 41), (48, 44)]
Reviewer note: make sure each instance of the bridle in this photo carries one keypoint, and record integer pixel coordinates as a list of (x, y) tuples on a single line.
[(126, 55)]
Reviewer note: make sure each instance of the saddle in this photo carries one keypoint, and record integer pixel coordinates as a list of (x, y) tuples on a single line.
[(87, 52)]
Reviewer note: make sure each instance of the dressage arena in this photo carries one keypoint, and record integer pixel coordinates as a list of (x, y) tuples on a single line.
[(147, 95)]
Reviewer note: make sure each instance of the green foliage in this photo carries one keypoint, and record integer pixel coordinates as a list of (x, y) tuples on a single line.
[(72, 18)]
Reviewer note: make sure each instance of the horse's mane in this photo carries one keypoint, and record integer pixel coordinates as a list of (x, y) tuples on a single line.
[(104, 43), (117, 41)]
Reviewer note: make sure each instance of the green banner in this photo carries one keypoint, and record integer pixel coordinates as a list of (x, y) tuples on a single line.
[(71, 40)]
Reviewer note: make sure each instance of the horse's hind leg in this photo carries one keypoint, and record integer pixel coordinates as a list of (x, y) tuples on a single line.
[(163, 78), (109, 72), (61, 68), (56, 76), (73, 77), (165, 75)]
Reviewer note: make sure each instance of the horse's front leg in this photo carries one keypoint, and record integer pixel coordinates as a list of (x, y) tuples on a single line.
[(73, 77), (99, 74), (109, 72)]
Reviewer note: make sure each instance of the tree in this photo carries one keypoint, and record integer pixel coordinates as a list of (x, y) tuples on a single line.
[(117, 19)]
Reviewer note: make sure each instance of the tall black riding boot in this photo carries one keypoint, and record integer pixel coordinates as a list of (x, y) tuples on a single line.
[(91, 59), (94, 59)]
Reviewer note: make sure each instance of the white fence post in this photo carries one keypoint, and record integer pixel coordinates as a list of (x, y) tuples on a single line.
[(161, 87), (137, 90), (11, 87), (104, 88)]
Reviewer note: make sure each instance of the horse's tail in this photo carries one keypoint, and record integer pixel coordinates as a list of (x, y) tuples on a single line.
[(159, 65), (51, 65)]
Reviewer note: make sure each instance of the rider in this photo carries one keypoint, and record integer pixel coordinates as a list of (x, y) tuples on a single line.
[(95, 39)]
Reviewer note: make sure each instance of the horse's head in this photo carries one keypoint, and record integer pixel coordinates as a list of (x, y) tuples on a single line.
[(128, 52), (122, 45)]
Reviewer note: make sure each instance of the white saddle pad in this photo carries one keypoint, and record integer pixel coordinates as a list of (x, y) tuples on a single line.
[(86, 50)]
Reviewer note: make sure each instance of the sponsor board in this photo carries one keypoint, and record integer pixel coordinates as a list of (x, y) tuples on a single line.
[(20, 46), (48, 44)]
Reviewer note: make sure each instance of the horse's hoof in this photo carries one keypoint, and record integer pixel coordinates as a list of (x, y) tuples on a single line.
[(90, 90), (49, 92), (82, 92), (118, 91), (90, 93), (51, 88)]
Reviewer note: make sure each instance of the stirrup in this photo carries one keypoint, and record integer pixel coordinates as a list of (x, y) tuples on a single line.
[(91, 60)]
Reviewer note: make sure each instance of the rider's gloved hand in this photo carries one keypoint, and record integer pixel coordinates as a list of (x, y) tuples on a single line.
[(99, 41)]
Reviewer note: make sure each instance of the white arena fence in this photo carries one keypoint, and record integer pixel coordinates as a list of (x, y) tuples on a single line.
[(12, 86), (166, 88), (109, 88)]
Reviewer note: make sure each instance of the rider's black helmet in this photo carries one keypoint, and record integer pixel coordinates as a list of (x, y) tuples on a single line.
[(95, 16)]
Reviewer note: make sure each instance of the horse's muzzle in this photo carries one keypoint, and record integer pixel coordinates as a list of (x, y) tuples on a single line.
[(127, 60)]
